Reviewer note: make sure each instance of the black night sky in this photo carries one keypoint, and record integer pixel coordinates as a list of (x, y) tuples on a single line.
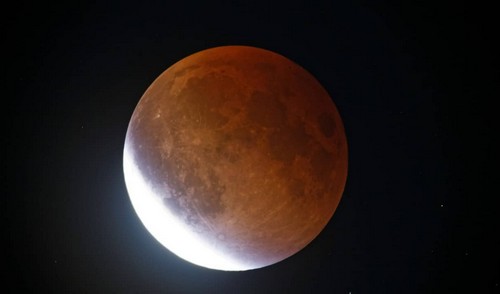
[(413, 83)]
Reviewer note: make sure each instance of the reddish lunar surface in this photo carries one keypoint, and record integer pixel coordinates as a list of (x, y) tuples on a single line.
[(235, 158)]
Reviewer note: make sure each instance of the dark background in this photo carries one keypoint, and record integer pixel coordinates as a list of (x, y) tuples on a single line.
[(413, 82)]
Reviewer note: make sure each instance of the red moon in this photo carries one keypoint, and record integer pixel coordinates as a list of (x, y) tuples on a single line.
[(235, 158)]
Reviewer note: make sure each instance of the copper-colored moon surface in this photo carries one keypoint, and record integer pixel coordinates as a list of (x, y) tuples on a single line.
[(235, 158)]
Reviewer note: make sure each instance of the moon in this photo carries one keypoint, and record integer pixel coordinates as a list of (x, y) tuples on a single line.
[(235, 158)]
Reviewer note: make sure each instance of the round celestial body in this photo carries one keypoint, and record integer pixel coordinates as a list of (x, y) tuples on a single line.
[(235, 158)]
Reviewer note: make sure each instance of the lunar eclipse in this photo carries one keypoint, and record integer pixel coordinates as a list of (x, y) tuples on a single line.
[(235, 158)]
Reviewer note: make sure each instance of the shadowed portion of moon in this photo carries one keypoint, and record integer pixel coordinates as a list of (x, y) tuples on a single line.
[(244, 148)]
